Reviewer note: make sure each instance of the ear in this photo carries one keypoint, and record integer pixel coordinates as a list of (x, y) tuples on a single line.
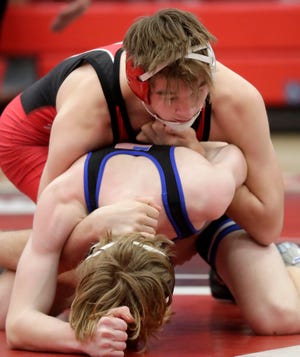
[(139, 88)]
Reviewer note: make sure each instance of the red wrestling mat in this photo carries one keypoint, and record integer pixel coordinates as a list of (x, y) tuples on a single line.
[(201, 326)]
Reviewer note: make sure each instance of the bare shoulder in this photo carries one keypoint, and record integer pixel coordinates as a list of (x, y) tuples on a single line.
[(232, 89), (82, 109), (83, 79), (237, 106)]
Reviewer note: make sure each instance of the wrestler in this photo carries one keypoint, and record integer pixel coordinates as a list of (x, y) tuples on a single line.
[(183, 191)]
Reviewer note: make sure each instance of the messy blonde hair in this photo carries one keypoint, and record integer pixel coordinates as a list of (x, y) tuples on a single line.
[(166, 37), (129, 275)]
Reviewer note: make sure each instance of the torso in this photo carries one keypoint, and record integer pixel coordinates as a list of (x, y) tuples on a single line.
[(142, 175)]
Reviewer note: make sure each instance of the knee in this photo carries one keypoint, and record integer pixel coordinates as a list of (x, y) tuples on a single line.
[(275, 318)]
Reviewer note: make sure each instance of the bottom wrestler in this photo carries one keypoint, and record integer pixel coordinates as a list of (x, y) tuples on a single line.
[(172, 191)]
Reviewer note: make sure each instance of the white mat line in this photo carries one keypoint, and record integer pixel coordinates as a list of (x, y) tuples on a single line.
[(191, 276), (192, 290), (16, 205), (292, 351)]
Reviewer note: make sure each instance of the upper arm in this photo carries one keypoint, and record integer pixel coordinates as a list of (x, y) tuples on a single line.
[(56, 216), (242, 119), (82, 122)]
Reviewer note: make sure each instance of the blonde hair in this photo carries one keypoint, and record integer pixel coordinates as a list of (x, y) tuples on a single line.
[(168, 35), (129, 275)]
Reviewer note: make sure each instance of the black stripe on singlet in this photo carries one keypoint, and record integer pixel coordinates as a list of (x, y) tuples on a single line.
[(119, 98), (207, 118), (93, 167), (173, 196)]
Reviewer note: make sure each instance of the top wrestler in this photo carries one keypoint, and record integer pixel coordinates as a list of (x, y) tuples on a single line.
[(165, 70)]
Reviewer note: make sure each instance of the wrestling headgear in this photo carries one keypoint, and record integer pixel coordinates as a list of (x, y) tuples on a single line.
[(138, 79)]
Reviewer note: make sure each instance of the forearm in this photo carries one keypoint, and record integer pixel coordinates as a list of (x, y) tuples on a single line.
[(84, 235), (121, 217), (43, 333), (262, 220)]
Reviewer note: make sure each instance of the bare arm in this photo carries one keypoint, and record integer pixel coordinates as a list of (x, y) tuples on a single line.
[(120, 218), (242, 120), (239, 117), (28, 325), (82, 122)]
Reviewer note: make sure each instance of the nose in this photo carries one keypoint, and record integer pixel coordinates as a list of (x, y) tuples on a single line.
[(185, 111)]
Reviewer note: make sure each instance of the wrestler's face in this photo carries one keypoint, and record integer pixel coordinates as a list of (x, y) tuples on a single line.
[(175, 101)]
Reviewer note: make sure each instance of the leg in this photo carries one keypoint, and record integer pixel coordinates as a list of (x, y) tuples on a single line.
[(290, 254), (262, 286)]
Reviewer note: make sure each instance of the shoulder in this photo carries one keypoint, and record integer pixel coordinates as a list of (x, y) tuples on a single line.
[(231, 89), (236, 105)]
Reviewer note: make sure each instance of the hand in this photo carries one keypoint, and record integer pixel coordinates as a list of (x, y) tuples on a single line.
[(157, 133), (110, 337), (125, 217), (69, 14)]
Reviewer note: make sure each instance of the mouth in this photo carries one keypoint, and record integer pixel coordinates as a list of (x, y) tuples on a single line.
[(177, 123)]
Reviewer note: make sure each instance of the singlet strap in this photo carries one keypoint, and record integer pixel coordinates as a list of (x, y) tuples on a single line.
[(174, 199), (119, 98), (202, 123), (91, 169), (207, 120)]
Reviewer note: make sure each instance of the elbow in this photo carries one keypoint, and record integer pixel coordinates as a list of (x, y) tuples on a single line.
[(266, 239), (13, 334), (269, 231)]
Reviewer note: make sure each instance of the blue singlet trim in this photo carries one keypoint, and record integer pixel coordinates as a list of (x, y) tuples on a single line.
[(180, 191), (85, 182)]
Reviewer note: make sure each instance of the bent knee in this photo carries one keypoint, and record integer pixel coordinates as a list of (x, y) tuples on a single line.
[(275, 319)]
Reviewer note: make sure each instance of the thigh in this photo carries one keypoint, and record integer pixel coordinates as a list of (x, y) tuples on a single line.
[(260, 283)]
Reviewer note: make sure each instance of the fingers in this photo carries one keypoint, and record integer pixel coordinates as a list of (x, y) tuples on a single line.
[(152, 132), (160, 134), (110, 336), (148, 200), (122, 312), (130, 216)]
